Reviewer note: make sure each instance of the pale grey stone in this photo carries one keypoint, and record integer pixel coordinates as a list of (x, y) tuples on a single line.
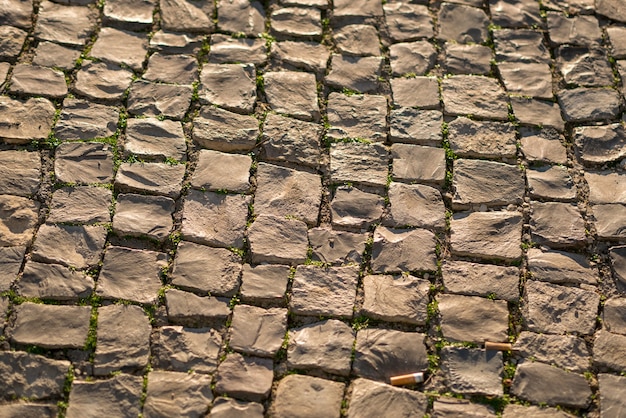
[(102, 81), (490, 183), (22, 121), (612, 403), (403, 92), (412, 58), (257, 331), (310, 396), (462, 23), (217, 170), (532, 112), (608, 351), (551, 182), (226, 408), (123, 339), (34, 80), (215, 219), (360, 163), (357, 40), (170, 394), (618, 263), (174, 69), (474, 95), (84, 163), (188, 309), (18, 218), (541, 383), (187, 16), (328, 291), (381, 353), (403, 250), (73, 246), (521, 411), (231, 86), (241, 16), (121, 47), (468, 59), (264, 284), (118, 396), (446, 407), (355, 73), (418, 163), (293, 93), (130, 274), (133, 14), (53, 281), (290, 193), (64, 24), (29, 410), (473, 279), (565, 351), (606, 187), (366, 8), (184, 349), (11, 259), (30, 376), (600, 144), (574, 30), (225, 49), (473, 319), (408, 21), (530, 79), (560, 267), (20, 172), (614, 316), (278, 240), (152, 138), (143, 216), (206, 269), (50, 326), (610, 221), (558, 309), (557, 225), (81, 119), (177, 43), (153, 178), (515, 13), (378, 399), (336, 247), (325, 346), (543, 146), (155, 99), (473, 371), (482, 139), (222, 130), (395, 299), (292, 140), (487, 235), (584, 66), (247, 378), (413, 126), (357, 116), (353, 208), (585, 104), (297, 22), (309, 56)]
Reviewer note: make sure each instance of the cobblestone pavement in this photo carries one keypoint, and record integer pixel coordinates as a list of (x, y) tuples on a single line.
[(245, 209)]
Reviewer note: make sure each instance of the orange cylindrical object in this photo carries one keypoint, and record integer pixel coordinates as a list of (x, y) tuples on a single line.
[(407, 379), (498, 346)]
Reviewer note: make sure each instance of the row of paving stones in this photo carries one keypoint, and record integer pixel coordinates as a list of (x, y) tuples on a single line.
[(288, 202)]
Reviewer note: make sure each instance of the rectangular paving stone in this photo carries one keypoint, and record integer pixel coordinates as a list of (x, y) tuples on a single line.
[(325, 345), (123, 341), (17, 13), (414, 205), (474, 95), (247, 378), (414, 58), (613, 316), (309, 395), (527, 79), (278, 240), (155, 99), (226, 49), (610, 221), (584, 66), (482, 139), (12, 42), (488, 235), (80, 205), (226, 131), (310, 56), (560, 267), (403, 250), (383, 353), (285, 192), (413, 126), (11, 259), (360, 163), (565, 351), (117, 396), (472, 318), (355, 209), (50, 326), (606, 187), (611, 399), (187, 16), (395, 299), (215, 219), (130, 274), (22, 121), (243, 16), (231, 86), (366, 396), (256, 331), (584, 104), (183, 349), (225, 407), (537, 113), (215, 271), (20, 172), (290, 140), (217, 170), (574, 30), (356, 39), (132, 15), (152, 178), (328, 291), (557, 225), (49, 54), (462, 23), (354, 73), (467, 59), (296, 22), (177, 394), (143, 216), (444, 407), (555, 309), (176, 42), (473, 371), (264, 284), (154, 139), (31, 409), (103, 81), (84, 120), (357, 116), (600, 144), (54, 281), (336, 247), (47, 377), (551, 182), (77, 246), (516, 13), (617, 255), (64, 24), (174, 69), (418, 163), (33, 80), (543, 146), (84, 163), (520, 45), (407, 21), (487, 280), (490, 183), (188, 309), (18, 217), (293, 93)]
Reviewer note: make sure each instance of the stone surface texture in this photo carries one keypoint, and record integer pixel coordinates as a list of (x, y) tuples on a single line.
[(246, 208)]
